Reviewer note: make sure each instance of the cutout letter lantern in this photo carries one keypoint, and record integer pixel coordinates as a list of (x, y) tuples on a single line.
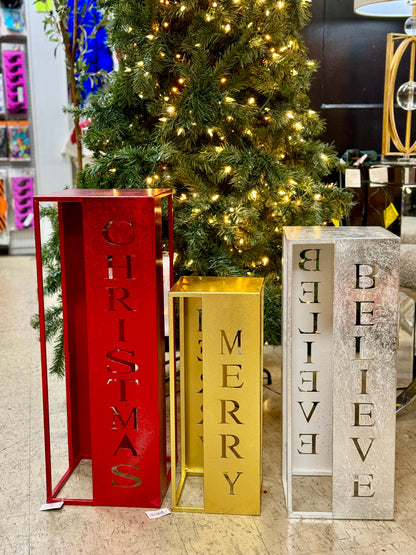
[(340, 302), (112, 293)]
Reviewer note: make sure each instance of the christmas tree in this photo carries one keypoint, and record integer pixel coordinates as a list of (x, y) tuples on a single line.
[(211, 99)]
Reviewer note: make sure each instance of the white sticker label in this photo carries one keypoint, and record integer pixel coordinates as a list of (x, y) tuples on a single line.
[(158, 513), (352, 179), (20, 94), (51, 506), (379, 176), (28, 220)]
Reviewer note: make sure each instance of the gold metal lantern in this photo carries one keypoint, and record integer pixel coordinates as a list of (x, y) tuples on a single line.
[(216, 420)]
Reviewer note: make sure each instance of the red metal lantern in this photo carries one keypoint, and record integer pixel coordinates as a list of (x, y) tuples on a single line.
[(112, 292)]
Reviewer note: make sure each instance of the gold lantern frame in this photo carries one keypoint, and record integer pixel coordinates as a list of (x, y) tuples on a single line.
[(397, 46), (225, 316)]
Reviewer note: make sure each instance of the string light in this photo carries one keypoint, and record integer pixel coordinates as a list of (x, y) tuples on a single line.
[(227, 169)]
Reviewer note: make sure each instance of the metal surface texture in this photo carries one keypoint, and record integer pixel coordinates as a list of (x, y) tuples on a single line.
[(112, 291), (340, 299), (220, 401)]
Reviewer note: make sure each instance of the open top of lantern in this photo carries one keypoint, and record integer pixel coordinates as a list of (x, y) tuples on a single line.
[(197, 285), (324, 233), (78, 195)]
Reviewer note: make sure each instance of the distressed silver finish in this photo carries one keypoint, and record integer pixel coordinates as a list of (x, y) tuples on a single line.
[(364, 306), (365, 382)]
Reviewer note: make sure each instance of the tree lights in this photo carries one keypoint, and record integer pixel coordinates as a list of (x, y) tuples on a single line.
[(223, 115)]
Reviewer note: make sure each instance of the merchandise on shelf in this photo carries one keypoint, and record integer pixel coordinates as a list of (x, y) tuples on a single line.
[(4, 141), (22, 187), (18, 140), (12, 22), (14, 78), (2, 101), (3, 205)]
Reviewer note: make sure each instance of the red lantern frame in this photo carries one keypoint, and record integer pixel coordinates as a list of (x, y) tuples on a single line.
[(112, 296)]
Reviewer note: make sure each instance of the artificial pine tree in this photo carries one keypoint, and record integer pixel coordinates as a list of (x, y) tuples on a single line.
[(211, 99), (77, 27)]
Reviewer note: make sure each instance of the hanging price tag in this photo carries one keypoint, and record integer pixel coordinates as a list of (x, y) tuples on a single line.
[(390, 215)]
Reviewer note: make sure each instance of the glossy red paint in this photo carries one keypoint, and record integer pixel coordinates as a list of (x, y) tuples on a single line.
[(112, 291)]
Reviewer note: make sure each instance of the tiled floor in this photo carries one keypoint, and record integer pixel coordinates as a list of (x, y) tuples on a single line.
[(104, 530)]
